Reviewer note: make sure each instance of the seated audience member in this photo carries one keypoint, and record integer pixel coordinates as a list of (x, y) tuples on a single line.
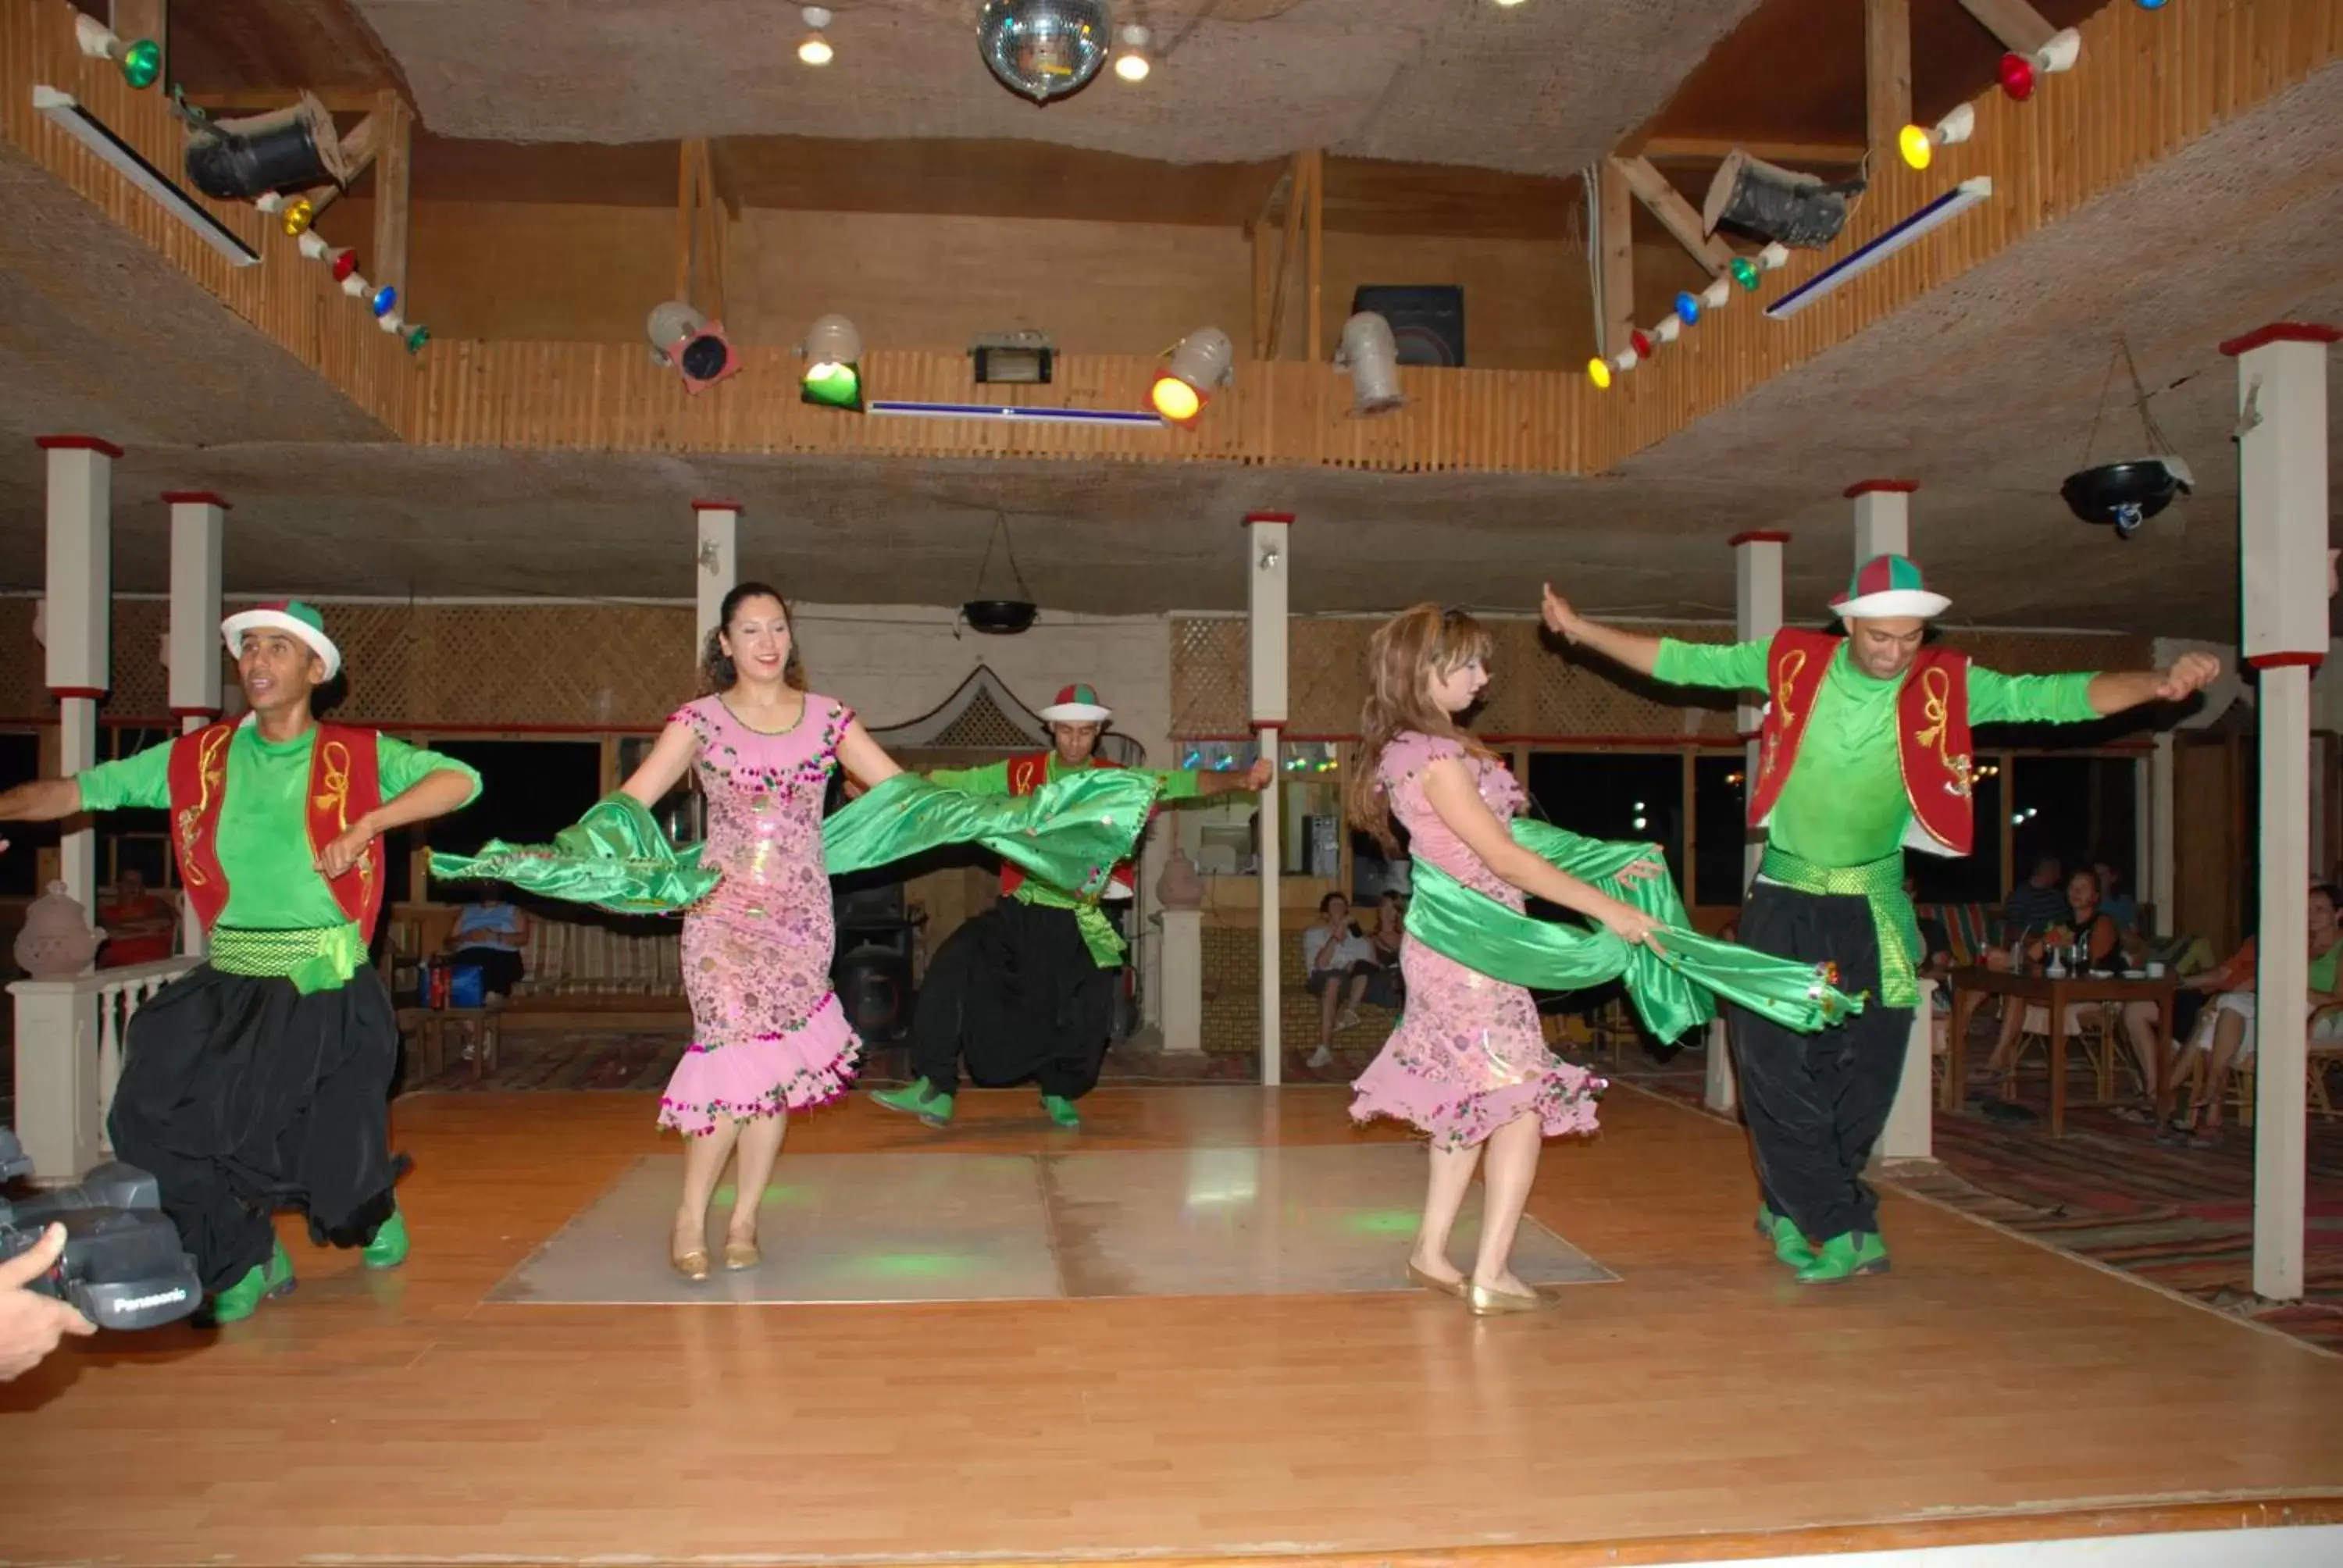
[(1339, 962), (139, 926), (492, 933), (2034, 906), (2156, 1070), (2225, 1034), (2119, 906), (1387, 987), (2084, 925)]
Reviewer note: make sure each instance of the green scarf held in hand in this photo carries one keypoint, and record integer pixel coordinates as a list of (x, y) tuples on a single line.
[(1672, 990), (1071, 833)]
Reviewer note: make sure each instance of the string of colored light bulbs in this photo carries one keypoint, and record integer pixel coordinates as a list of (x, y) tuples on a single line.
[(141, 64), (2018, 75)]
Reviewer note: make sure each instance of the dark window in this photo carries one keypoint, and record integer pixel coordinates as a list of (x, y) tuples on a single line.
[(20, 868), (529, 790), (1720, 836)]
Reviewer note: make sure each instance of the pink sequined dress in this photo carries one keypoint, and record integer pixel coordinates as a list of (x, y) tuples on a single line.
[(767, 1033), (1468, 1056)]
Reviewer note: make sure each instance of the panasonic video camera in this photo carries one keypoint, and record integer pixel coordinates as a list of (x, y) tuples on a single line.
[(124, 1267)]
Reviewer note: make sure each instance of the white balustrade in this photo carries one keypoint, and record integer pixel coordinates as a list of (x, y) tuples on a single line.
[(70, 1035)]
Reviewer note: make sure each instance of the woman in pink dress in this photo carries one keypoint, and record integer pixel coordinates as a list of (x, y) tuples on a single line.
[(1468, 1063), (769, 1036)]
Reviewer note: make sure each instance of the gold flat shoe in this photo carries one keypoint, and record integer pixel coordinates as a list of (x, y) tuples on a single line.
[(738, 1255), (1486, 1302), (1433, 1282), (691, 1265)]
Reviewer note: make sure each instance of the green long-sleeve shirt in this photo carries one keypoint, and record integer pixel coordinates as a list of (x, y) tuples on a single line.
[(1844, 802)]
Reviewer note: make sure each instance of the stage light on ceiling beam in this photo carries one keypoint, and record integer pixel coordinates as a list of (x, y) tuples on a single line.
[(833, 372), (1772, 202), (694, 346), (291, 149), (815, 49), (1934, 215), (1371, 354), (63, 111), (1920, 145), (1131, 64), (1023, 358), (140, 60), (1204, 361)]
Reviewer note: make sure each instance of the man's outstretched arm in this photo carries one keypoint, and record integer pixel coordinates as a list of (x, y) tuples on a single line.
[(42, 801), (2079, 699), (1727, 666)]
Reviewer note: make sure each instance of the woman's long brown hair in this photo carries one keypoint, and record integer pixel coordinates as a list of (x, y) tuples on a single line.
[(1407, 654)]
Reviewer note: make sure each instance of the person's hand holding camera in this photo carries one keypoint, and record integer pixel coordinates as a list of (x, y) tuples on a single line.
[(32, 1325)]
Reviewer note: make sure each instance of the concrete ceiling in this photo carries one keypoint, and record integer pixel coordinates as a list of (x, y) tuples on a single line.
[(1543, 88)]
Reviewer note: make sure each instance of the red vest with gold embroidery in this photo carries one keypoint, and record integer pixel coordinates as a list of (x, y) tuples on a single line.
[(344, 784), (1932, 732), (1029, 773)]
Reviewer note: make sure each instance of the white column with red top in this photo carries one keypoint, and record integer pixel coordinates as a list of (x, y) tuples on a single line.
[(198, 526), (76, 622), (1265, 603), (716, 565), (1756, 617), (2282, 508)]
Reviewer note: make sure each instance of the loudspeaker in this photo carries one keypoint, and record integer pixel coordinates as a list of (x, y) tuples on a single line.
[(874, 987), (1427, 320)]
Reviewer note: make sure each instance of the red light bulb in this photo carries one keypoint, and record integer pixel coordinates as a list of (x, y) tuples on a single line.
[(345, 264), (2017, 77), (1641, 342)]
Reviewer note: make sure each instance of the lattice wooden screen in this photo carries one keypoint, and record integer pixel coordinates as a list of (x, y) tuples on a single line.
[(982, 726)]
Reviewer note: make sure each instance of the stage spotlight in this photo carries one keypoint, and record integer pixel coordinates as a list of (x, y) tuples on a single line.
[(1769, 202), (815, 50), (833, 372), (1132, 64), (1371, 354), (1920, 145), (1203, 362), (691, 343), (291, 149)]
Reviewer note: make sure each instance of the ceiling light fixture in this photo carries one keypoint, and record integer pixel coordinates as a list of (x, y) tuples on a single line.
[(1920, 145), (1203, 362), (1132, 64), (1043, 49), (68, 116), (1769, 202), (696, 346), (833, 372), (1371, 354), (815, 50)]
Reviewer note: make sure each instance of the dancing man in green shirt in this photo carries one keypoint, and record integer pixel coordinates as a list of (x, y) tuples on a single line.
[(1027, 989), (260, 1080), (1864, 751)]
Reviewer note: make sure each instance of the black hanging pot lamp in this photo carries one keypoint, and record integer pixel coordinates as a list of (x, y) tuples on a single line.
[(1001, 616), (2125, 495)]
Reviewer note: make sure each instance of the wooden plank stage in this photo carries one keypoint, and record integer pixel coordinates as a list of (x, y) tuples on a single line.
[(1701, 1406)]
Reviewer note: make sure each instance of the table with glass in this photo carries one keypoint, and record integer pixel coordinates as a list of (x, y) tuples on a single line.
[(2055, 994)]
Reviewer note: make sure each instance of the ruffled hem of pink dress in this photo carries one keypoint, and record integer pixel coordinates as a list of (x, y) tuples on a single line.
[(1562, 1097), (765, 1075)]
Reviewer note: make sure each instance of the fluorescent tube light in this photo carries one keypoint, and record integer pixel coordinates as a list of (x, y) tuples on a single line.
[(92, 132), (1934, 216)]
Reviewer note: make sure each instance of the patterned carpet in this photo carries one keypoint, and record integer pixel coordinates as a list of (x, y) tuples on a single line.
[(2180, 1218)]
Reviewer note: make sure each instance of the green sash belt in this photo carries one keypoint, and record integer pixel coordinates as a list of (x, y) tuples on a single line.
[(1882, 882), (1671, 991), (1070, 833), (315, 959)]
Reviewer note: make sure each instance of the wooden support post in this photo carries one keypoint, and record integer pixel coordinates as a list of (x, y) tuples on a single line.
[(2018, 25), (393, 156), (1886, 70), (76, 621), (1266, 262), (1616, 232), (1297, 199), (1266, 602), (1667, 204), (1316, 163), (689, 153)]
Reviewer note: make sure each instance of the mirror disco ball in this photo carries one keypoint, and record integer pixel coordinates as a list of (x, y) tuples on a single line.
[(1044, 49)]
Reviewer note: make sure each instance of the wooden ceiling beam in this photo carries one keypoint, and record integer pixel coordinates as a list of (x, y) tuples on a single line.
[(263, 100), (393, 158), (1615, 232), (2018, 25), (1886, 70), (1716, 149), (1667, 204)]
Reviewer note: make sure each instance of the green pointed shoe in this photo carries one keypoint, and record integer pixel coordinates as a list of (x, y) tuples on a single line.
[(1835, 1261), (918, 1097), (388, 1247), (262, 1280), (1870, 1253), (1789, 1244), (1062, 1110)]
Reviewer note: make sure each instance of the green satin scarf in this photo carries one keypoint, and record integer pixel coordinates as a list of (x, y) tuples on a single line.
[(1070, 833), (1671, 991)]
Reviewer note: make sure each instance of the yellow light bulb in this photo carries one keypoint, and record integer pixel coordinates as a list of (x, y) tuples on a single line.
[(815, 50), (1917, 146), (1598, 372), (1175, 400)]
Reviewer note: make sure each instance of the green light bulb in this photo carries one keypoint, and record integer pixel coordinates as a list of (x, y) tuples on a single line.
[(141, 62), (833, 386), (1744, 273), (417, 336)]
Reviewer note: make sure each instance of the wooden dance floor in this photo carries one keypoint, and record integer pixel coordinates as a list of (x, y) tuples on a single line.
[(1684, 1402)]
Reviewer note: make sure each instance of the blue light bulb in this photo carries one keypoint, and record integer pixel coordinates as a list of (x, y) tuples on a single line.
[(1688, 308), (385, 299)]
